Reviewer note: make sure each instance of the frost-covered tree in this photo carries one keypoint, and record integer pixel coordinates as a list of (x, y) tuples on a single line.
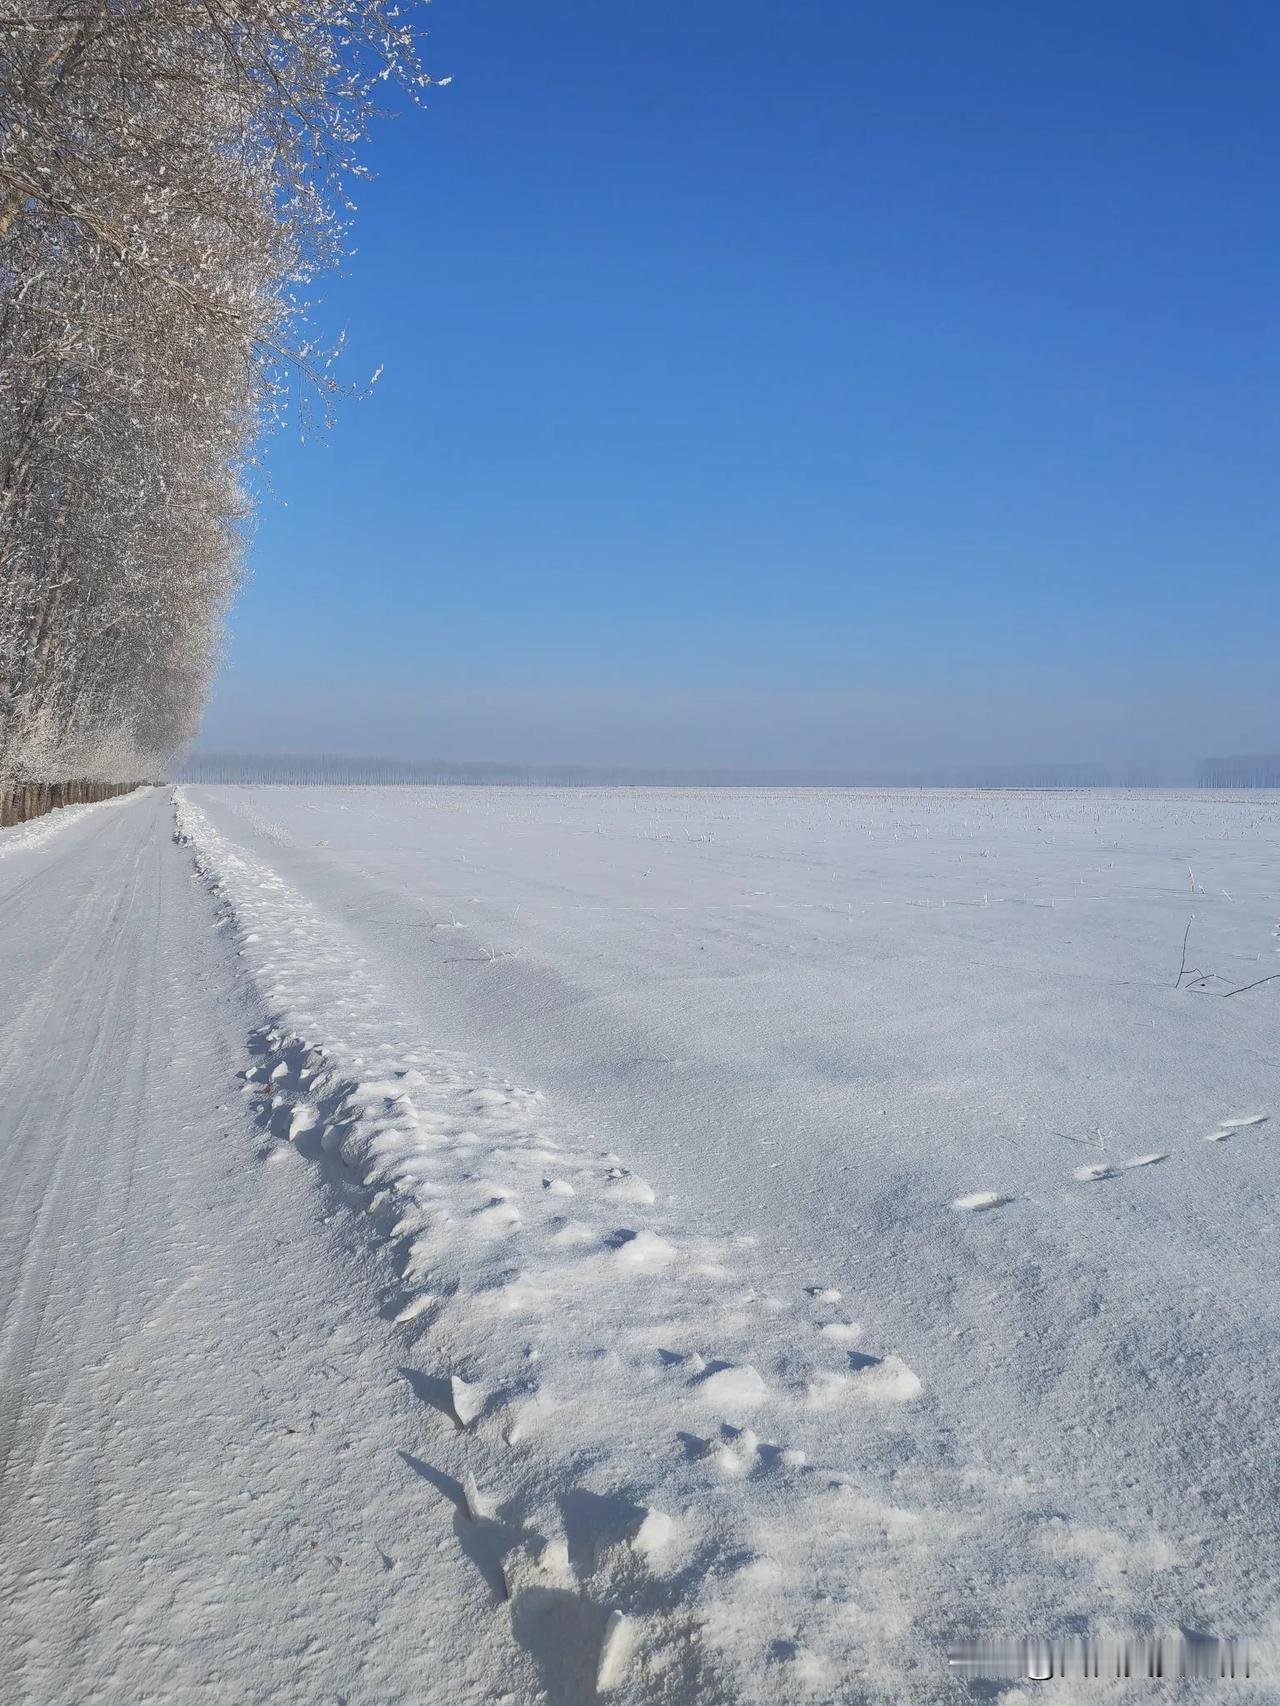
[(173, 174)]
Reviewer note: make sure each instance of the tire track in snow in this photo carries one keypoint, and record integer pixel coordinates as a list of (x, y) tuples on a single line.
[(88, 1030), (80, 1419)]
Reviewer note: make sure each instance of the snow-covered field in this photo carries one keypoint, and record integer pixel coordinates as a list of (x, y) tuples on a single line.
[(650, 1246)]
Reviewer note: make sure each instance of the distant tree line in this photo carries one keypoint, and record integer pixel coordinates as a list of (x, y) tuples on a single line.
[(1258, 771), (173, 174), (340, 769)]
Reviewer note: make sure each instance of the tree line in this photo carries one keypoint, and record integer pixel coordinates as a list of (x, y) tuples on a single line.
[(174, 175), (1259, 770), (339, 769)]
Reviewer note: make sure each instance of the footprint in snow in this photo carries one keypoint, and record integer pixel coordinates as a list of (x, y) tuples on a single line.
[(1093, 1173), (640, 1252), (730, 1387), (414, 1307), (841, 1332), (622, 1186), (877, 1380), (653, 1533), (1230, 1128), (1099, 1170), (739, 1451), (496, 1218), (467, 1400), (977, 1202)]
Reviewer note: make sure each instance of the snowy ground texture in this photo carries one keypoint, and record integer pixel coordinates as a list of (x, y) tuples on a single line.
[(464, 1245)]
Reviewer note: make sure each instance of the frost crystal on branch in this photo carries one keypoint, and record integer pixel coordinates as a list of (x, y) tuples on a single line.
[(173, 175)]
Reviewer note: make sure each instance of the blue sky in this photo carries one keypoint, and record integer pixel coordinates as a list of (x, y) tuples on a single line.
[(825, 384)]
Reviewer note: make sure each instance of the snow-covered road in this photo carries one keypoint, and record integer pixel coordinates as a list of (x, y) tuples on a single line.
[(200, 1496), (667, 1246)]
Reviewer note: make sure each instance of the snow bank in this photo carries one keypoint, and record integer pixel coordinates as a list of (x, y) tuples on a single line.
[(649, 1483)]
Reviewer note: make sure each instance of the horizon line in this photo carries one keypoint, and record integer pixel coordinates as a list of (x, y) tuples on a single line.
[(231, 766)]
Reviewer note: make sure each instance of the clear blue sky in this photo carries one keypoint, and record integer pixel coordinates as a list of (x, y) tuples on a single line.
[(818, 384)]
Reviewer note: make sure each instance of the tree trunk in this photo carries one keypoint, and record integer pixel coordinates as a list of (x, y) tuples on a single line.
[(21, 801)]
